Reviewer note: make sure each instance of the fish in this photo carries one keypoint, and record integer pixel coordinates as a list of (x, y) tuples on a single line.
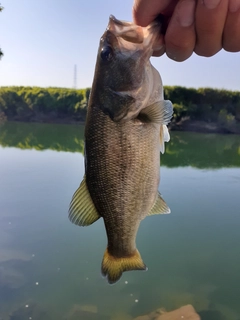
[(125, 131)]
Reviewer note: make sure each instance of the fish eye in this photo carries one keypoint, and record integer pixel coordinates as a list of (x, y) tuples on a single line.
[(106, 53)]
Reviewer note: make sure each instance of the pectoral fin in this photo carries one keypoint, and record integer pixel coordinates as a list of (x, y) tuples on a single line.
[(82, 211), (159, 207), (159, 112), (164, 137)]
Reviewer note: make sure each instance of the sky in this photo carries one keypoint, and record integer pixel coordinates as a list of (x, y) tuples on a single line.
[(42, 40)]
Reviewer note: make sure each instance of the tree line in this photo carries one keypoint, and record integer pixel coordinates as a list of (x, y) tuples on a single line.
[(52, 104), (43, 104), (218, 106), (204, 103)]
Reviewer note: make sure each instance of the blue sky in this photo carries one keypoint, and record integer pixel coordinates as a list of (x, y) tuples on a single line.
[(42, 40)]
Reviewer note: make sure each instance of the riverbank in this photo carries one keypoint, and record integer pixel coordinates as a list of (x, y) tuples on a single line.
[(204, 127), (204, 110), (183, 125)]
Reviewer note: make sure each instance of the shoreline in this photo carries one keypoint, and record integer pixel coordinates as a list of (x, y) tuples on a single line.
[(183, 125), (204, 127), (205, 110)]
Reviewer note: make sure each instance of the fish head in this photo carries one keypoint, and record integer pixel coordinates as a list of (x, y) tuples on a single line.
[(123, 71)]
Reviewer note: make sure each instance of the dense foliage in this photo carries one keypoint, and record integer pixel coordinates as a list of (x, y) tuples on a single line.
[(43, 104), (65, 105), (204, 104), (208, 105)]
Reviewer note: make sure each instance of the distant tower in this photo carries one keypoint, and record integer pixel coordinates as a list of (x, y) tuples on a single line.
[(75, 77)]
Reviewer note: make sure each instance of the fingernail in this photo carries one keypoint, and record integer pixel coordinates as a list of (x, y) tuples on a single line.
[(234, 5), (185, 13), (211, 4)]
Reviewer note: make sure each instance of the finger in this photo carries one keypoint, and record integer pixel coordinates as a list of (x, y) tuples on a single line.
[(210, 20), (159, 52), (144, 12), (180, 37), (231, 34)]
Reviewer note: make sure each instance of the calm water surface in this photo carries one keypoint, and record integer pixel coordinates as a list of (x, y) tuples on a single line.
[(50, 269)]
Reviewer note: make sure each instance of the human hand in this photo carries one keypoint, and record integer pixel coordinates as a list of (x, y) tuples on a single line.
[(200, 26)]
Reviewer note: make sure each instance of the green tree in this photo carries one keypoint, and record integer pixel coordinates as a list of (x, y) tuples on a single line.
[(219, 107)]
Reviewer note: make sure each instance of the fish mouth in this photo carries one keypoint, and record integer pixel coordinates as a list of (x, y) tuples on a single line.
[(126, 30), (123, 23), (130, 35)]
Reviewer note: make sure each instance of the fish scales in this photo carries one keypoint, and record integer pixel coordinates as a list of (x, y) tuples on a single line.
[(124, 133), (122, 164)]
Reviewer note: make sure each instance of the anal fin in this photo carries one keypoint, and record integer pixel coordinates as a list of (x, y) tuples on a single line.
[(82, 211)]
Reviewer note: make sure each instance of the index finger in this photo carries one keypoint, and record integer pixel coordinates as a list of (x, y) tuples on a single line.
[(145, 11)]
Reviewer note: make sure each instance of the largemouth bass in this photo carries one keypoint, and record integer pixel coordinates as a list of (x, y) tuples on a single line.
[(124, 134)]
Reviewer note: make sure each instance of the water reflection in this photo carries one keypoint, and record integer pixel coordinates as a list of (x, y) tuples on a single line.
[(202, 150), (193, 254), (42, 136), (184, 149)]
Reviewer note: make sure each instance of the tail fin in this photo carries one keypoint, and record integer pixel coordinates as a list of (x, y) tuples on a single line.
[(113, 267)]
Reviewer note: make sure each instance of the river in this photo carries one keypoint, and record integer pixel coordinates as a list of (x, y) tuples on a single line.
[(50, 268)]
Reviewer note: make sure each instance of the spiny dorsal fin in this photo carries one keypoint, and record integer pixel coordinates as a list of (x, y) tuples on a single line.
[(82, 211), (160, 112), (159, 207), (164, 137)]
